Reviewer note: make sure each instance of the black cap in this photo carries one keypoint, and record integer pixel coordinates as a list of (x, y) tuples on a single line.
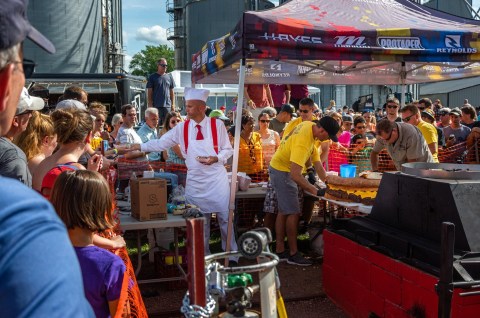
[(15, 27), (288, 108), (331, 127)]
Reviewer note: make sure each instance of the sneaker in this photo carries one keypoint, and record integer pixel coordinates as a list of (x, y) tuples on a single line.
[(298, 259), (283, 256)]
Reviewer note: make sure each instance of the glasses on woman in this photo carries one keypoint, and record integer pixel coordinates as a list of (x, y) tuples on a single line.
[(264, 121), (174, 121)]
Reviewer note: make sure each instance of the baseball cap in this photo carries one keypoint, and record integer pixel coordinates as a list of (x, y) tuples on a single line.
[(218, 114), (456, 111), (347, 118), (15, 27), (70, 103), (288, 108), (331, 127), (444, 111), (429, 113), (28, 103)]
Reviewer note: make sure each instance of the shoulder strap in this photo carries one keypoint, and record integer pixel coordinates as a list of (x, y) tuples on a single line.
[(214, 134), (185, 134)]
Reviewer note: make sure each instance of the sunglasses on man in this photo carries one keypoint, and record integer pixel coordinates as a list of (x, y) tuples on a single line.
[(304, 110), (163, 65)]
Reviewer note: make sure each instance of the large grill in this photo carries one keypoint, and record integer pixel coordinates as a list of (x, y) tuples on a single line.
[(406, 221)]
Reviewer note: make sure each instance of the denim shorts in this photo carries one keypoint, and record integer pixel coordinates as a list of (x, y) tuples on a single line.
[(286, 190)]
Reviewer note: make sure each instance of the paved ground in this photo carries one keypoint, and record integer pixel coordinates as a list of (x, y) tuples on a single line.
[(301, 288)]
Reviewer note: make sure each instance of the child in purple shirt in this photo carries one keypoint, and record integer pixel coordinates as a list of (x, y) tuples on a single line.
[(83, 201)]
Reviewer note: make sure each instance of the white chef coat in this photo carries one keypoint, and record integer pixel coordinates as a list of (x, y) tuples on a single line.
[(207, 185)]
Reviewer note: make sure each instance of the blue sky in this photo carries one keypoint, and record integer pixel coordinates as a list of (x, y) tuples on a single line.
[(144, 23)]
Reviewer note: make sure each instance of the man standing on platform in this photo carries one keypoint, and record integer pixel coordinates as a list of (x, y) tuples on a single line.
[(160, 87), (205, 146)]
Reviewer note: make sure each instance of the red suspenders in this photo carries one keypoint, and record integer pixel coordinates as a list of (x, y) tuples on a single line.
[(213, 123)]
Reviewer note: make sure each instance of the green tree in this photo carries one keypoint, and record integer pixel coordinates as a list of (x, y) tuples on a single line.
[(145, 62)]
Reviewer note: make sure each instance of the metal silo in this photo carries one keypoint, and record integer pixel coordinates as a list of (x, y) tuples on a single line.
[(75, 28)]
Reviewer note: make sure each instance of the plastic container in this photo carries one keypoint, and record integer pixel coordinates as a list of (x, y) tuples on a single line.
[(348, 171)]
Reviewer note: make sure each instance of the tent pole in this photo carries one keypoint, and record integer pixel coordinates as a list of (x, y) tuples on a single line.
[(236, 146), (403, 76)]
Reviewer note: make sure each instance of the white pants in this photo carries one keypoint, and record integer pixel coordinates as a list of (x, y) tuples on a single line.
[(222, 219)]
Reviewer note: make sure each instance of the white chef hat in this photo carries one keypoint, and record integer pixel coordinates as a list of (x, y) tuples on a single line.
[(196, 93)]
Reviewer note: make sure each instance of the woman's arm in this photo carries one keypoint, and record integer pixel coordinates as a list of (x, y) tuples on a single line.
[(177, 151)]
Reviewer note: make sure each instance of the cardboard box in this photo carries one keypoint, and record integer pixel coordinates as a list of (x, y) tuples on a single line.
[(149, 199)]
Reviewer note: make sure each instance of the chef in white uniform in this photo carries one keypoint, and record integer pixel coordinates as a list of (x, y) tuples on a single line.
[(207, 183)]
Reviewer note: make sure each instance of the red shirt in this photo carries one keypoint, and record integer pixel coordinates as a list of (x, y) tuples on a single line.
[(298, 91), (258, 94)]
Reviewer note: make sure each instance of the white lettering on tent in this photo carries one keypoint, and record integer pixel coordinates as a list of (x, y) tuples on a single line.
[(291, 38), (269, 75), (408, 43), (453, 44), (350, 41)]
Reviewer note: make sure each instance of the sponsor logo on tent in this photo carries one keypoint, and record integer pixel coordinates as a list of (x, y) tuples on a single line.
[(453, 44), (350, 41), (400, 42), (291, 38)]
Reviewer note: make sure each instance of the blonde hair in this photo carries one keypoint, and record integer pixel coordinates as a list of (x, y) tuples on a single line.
[(82, 199), (97, 108), (71, 125), (39, 127)]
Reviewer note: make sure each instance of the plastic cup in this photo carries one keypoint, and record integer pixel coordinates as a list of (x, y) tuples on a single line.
[(348, 171)]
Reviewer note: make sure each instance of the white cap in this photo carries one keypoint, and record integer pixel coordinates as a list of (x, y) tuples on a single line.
[(197, 94), (70, 103), (27, 102)]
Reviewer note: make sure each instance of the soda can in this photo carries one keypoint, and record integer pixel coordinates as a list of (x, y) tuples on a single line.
[(104, 147)]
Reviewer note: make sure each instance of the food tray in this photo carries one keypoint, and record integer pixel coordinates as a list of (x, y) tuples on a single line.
[(452, 171)]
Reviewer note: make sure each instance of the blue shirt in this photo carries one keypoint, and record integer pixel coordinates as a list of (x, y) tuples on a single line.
[(39, 271), (161, 85), (146, 133)]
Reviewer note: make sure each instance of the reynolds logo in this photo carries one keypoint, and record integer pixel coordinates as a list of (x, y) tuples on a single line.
[(453, 41), (406, 43), (350, 41), (291, 38), (453, 44)]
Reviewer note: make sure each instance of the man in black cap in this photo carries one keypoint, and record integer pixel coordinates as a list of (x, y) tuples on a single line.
[(39, 271), (283, 117), (286, 166)]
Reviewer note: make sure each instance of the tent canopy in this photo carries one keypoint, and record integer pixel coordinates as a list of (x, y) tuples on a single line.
[(369, 42)]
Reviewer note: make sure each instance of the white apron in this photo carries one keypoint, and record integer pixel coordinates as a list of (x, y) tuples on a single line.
[(207, 185)]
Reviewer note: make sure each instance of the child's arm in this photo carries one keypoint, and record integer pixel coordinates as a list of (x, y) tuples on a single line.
[(113, 244)]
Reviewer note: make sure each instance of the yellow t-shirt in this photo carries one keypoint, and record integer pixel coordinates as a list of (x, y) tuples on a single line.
[(296, 147), (430, 134), (291, 126), (95, 142)]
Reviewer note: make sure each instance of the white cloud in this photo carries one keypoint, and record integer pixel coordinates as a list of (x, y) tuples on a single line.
[(127, 60), (155, 34), (125, 37)]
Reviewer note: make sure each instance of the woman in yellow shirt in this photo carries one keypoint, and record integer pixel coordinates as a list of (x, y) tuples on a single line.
[(250, 158)]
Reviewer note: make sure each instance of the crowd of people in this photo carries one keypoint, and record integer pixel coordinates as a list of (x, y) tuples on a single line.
[(67, 155)]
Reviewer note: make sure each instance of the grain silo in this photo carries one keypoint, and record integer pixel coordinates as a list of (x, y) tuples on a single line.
[(75, 28)]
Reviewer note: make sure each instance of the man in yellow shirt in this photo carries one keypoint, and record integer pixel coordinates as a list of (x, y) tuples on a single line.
[(306, 108), (411, 115), (285, 171)]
